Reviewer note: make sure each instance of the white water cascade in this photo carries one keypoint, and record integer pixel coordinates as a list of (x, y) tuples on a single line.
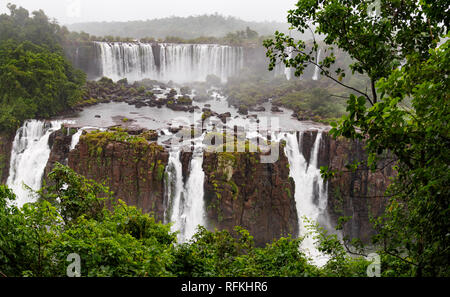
[(317, 70), (29, 156), (310, 191), (186, 207), (76, 139), (166, 61)]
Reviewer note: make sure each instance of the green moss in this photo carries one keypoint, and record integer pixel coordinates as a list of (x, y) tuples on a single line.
[(288, 191), (234, 189), (160, 172), (2, 164)]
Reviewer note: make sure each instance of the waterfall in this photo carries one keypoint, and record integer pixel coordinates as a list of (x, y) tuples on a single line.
[(77, 135), (177, 62), (317, 70), (29, 156), (289, 70), (185, 205), (310, 190), (174, 189), (194, 208), (76, 139)]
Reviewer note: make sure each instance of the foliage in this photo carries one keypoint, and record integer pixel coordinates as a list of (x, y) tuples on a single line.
[(405, 114), (35, 78), (220, 254), (74, 195), (193, 27), (310, 100), (119, 240)]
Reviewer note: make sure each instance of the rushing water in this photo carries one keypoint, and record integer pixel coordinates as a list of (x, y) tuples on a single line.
[(29, 156), (317, 69), (184, 203), (166, 61), (185, 206), (310, 191)]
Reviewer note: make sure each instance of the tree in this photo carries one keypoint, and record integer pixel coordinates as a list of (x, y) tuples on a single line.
[(406, 113), (377, 43), (35, 78), (35, 82)]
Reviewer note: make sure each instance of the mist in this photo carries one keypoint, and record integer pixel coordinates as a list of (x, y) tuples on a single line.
[(75, 11)]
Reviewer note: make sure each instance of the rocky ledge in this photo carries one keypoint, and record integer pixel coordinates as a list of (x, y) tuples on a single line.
[(239, 190)]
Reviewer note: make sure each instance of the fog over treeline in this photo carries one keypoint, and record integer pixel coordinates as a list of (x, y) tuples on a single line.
[(214, 25)]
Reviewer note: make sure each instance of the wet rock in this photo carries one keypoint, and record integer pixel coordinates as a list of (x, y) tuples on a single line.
[(276, 109), (133, 171), (175, 130), (258, 109), (224, 116), (243, 109)]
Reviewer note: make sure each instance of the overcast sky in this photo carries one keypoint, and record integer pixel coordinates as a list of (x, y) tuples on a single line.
[(73, 11)]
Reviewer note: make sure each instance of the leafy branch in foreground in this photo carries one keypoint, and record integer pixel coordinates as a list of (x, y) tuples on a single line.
[(406, 114)]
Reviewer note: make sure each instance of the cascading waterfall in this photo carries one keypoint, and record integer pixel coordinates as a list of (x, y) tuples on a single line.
[(174, 189), (126, 60), (194, 208), (289, 70), (29, 156), (177, 62), (317, 70), (185, 205), (310, 190), (76, 139), (77, 135)]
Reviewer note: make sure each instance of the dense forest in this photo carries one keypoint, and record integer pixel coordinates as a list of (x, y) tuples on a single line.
[(192, 27), (394, 96), (36, 80)]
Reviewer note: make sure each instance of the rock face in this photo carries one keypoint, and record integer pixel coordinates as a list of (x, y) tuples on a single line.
[(6, 141), (358, 194), (241, 191), (59, 142), (84, 56), (133, 169)]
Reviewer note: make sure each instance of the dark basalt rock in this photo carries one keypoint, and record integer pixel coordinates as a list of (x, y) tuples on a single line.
[(6, 142), (134, 172), (241, 191), (223, 117), (276, 109), (243, 110), (258, 109)]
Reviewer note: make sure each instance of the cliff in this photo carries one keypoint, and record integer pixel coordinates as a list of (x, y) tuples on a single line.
[(241, 191), (358, 194), (59, 142), (131, 166), (6, 142)]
